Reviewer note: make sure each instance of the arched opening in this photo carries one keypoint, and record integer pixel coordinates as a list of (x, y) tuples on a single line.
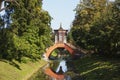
[(60, 53), (61, 47)]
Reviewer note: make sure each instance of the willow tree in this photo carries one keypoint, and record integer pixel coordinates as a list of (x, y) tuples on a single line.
[(29, 33)]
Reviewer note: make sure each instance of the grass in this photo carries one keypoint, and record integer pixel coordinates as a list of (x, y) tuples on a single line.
[(95, 67), (18, 71)]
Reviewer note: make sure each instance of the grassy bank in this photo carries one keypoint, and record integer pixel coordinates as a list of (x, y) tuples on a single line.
[(18, 71), (95, 67)]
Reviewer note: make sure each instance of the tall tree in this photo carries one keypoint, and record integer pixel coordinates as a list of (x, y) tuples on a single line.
[(96, 26), (29, 33), (87, 13)]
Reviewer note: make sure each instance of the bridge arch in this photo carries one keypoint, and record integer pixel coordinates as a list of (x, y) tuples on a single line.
[(59, 45)]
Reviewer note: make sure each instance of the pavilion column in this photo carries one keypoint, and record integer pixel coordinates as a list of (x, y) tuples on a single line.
[(65, 39), (60, 35), (56, 38)]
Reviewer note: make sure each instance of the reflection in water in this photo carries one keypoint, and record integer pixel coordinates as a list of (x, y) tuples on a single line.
[(63, 66), (53, 75), (55, 70), (59, 74)]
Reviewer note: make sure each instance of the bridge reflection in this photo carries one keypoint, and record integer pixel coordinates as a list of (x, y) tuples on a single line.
[(54, 75)]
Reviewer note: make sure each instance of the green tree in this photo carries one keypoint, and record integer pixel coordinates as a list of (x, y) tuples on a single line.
[(87, 13), (96, 26), (29, 34)]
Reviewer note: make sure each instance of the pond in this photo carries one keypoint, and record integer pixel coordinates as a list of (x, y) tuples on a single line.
[(54, 70), (58, 69)]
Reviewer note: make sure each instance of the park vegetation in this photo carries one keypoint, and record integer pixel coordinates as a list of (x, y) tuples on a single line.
[(96, 26), (25, 33), (25, 30)]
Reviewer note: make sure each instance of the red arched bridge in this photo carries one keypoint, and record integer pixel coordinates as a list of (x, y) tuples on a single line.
[(72, 50)]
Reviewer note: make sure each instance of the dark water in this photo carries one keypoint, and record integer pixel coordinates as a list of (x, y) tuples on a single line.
[(56, 66), (40, 75)]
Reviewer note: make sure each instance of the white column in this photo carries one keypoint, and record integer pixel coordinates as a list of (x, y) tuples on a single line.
[(56, 40), (65, 39)]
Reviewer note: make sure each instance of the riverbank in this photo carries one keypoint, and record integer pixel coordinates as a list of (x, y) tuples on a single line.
[(94, 67), (19, 71)]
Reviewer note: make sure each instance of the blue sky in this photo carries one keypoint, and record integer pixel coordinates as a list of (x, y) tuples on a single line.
[(61, 11)]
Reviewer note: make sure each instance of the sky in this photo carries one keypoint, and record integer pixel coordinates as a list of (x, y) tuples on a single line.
[(62, 11)]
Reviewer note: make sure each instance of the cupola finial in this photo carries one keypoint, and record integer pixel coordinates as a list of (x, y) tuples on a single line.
[(60, 24), (60, 27)]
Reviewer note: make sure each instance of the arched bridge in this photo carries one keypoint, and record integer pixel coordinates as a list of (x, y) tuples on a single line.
[(61, 42), (72, 50)]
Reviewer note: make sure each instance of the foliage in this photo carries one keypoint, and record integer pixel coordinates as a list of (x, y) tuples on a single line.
[(9, 70), (29, 32), (95, 67), (97, 26)]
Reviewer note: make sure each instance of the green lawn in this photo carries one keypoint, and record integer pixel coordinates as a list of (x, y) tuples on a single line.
[(95, 67), (18, 71), (91, 67)]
